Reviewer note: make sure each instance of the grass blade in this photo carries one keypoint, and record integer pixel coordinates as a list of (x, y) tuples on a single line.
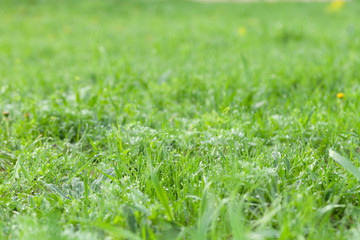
[(345, 163), (118, 232), (162, 196)]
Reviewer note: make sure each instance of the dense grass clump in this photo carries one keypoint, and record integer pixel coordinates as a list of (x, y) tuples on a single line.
[(178, 120)]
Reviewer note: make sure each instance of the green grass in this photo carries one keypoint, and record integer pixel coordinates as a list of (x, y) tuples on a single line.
[(158, 120)]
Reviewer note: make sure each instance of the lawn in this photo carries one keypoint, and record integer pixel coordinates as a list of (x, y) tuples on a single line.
[(127, 119)]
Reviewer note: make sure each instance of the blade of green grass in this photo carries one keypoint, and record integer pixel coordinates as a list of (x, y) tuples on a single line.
[(118, 232), (162, 196), (345, 163)]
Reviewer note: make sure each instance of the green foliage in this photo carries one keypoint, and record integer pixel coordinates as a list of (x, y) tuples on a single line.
[(345, 163), (178, 120)]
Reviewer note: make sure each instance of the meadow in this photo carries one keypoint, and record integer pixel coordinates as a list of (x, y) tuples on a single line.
[(179, 120)]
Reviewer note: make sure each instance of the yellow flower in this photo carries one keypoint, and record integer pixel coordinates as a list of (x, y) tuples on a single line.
[(242, 31), (335, 5), (340, 95)]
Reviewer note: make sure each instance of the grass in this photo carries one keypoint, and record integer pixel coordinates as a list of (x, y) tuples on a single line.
[(178, 120)]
